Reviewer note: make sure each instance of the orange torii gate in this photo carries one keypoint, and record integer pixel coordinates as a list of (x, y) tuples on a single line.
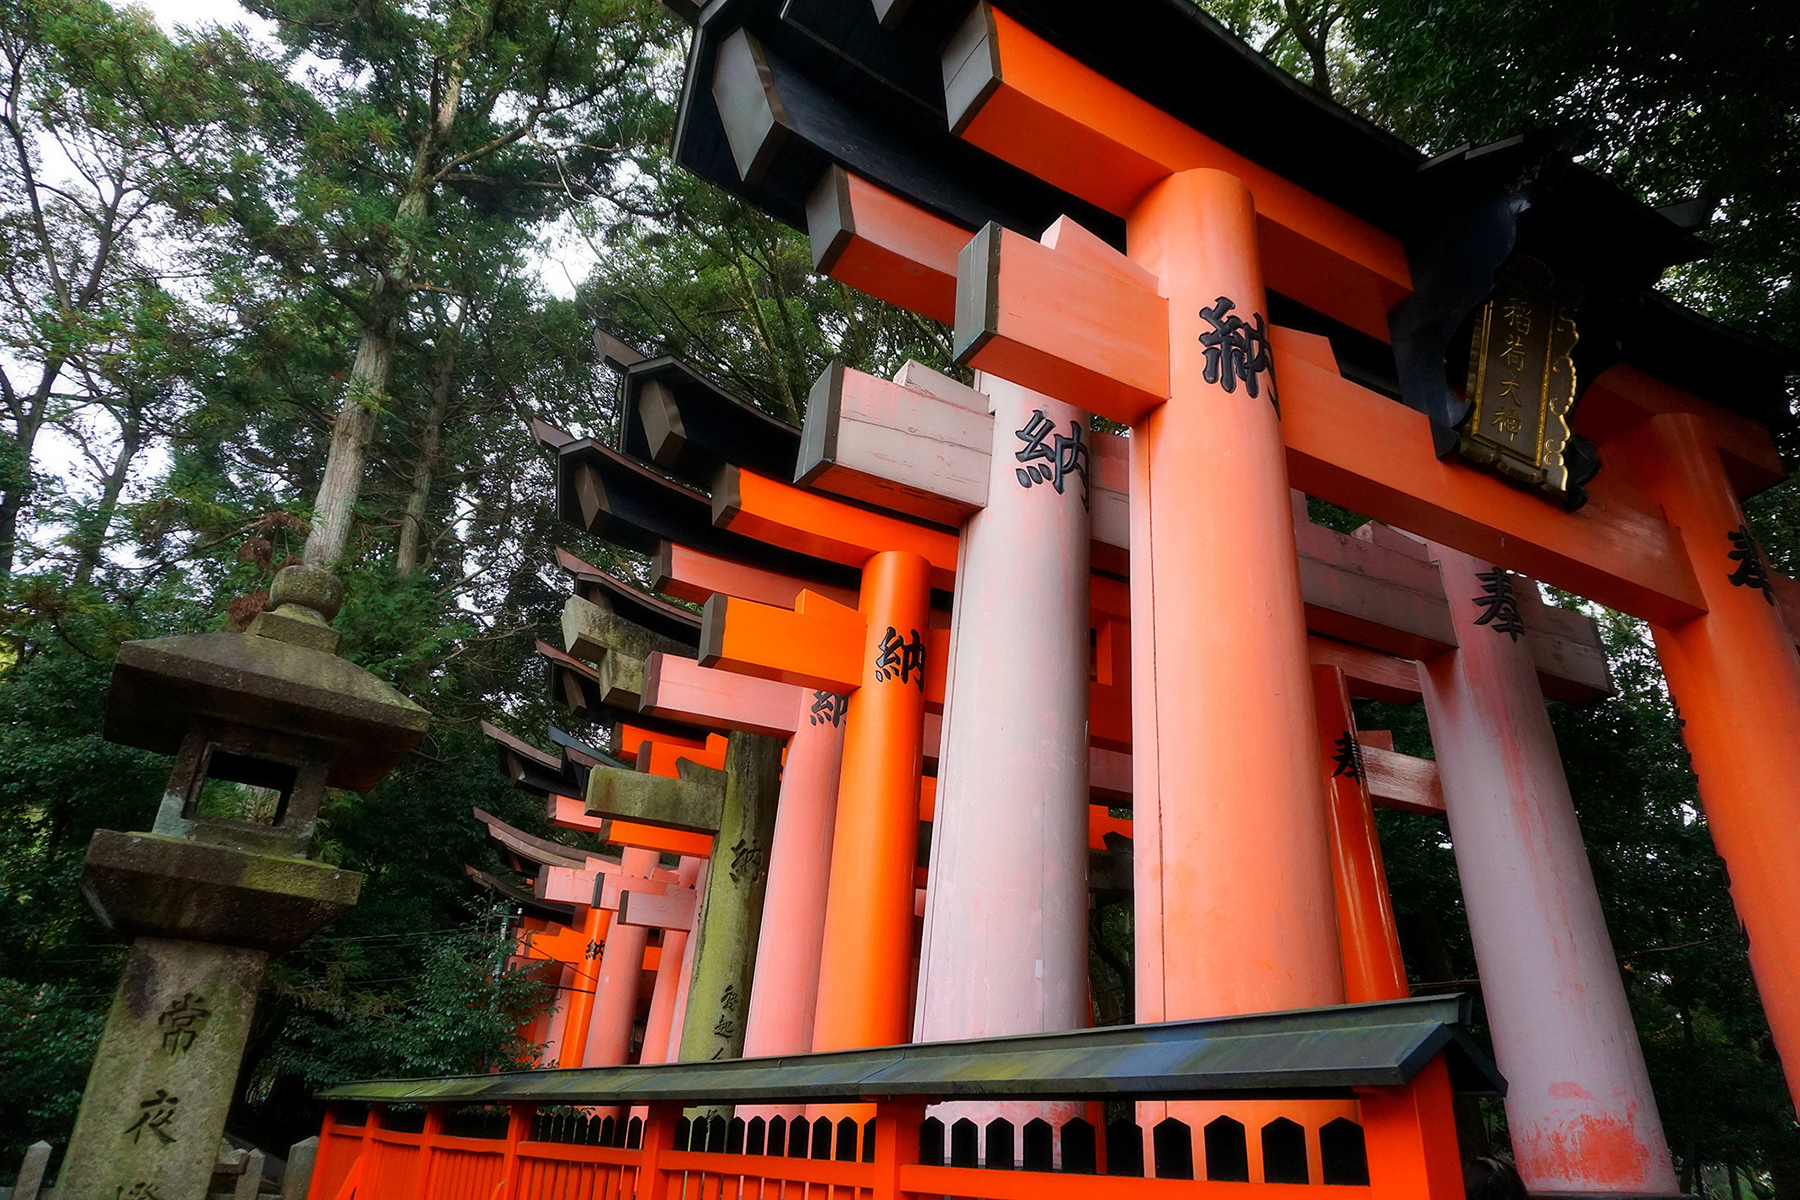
[(887, 658), (1233, 394)]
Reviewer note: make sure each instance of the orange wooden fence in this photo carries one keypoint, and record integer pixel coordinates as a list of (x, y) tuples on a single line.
[(452, 1151)]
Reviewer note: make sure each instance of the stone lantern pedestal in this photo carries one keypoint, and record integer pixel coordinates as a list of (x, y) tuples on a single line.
[(260, 724)]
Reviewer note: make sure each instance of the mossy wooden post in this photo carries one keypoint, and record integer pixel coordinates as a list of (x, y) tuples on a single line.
[(731, 912)]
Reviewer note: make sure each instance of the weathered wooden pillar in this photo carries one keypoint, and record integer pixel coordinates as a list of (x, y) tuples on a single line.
[(1004, 948), (866, 958), (784, 1003), (671, 975), (1735, 681), (1235, 910), (1578, 1103), (724, 940)]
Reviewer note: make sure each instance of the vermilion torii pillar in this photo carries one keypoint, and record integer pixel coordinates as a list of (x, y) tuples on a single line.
[(1735, 680), (1367, 934), (784, 994), (1578, 1102), (1174, 342), (886, 657)]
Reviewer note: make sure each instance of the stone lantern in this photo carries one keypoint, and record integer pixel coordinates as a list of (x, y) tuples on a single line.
[(260, 724)]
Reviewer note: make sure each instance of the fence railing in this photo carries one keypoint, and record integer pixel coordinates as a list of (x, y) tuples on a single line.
[(837, 1126)]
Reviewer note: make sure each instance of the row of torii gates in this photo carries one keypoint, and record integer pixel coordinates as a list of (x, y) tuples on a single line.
[(866, 798)]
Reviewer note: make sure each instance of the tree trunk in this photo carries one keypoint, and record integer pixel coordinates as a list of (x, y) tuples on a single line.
[(406, 554), (349, 454), (334, 510), (93, 541)]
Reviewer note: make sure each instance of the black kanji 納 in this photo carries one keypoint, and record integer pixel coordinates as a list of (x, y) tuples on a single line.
[(902, 660), (748, 861), (827, 707), (1236, 350), (1061, 456), (1750, 571), (1499, 607)]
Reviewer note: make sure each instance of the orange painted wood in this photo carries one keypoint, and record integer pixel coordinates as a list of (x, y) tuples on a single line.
[(569, 813), (783, 515), (1787, 599), (1367, 935), (1735, 678), (865, 966), (781, 644), (1067, 124), (1061, 323), (694, 575), (877, 243), (1373, 676), (1359, 449), (1623, 395), (1235, 905), (1410, 1135)]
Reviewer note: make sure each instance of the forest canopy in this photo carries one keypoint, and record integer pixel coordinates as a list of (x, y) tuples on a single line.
[(291, 286)]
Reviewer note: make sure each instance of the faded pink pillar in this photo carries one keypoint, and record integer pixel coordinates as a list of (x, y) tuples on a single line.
[(785, 993), (673, 1051), (671, 975), (1578, 1102), (621, 971), (1004, 948), (559, 1016), (784, 996)]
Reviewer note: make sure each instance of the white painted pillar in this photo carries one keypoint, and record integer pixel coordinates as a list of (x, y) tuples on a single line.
[(1004, 948), (1578, 1102)]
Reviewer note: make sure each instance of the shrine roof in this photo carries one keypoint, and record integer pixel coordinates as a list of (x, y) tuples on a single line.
[(872, 99), (1322, 1052), (531, 905), (633, 603)]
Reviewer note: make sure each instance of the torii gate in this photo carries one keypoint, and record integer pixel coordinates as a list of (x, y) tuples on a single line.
[(1129, 337)]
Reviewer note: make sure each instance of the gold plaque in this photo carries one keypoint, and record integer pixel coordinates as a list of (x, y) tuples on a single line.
[(1522, 378)]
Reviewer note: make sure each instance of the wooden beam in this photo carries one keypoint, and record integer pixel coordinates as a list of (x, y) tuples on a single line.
[(1402, 782), (693, 802), (1030, 104), (880, 244), (671, 909), (693, 575), (1359, 449), (905, 449), (682, 689), (1066, 321), (589, 631), (782, 515)]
